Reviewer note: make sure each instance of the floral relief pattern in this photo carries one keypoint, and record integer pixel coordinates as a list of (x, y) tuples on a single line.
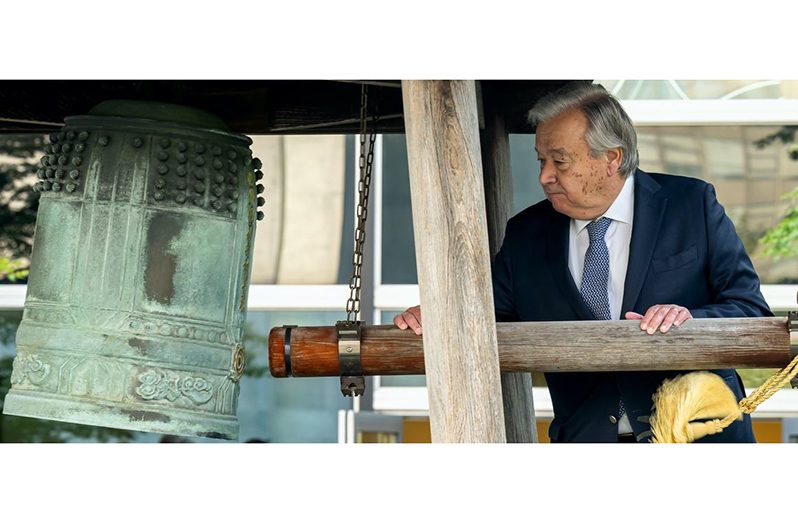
[(168, 385), (29, 368)]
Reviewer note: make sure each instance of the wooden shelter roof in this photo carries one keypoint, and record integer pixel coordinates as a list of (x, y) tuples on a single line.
[(250, 106)]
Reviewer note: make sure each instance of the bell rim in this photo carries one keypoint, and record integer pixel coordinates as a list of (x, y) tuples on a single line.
[(108, 414)]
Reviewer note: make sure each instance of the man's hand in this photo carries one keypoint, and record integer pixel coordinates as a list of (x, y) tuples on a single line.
[(409, 318), (662, 317)]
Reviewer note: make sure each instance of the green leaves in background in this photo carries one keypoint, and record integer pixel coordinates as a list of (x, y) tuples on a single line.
[(19, 162), (12, 270), (782, 240)]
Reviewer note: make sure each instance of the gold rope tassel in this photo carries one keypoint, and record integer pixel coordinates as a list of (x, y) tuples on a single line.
[(704, 395)]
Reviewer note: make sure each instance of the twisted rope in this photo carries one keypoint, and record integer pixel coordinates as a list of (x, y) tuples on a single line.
[(749, 404)]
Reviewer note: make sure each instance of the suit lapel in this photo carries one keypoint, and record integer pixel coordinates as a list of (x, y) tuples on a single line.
[(648, 213), (557, 262)]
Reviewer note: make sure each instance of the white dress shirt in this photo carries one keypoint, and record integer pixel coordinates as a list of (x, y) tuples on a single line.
[(618, 236)]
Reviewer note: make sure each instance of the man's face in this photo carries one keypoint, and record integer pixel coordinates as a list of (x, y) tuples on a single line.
[(577, 184)]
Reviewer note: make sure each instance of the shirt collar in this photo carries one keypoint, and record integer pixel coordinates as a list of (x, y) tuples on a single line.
[(621, 210)]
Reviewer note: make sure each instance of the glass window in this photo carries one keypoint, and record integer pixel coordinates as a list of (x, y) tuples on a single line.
[(398, 250)]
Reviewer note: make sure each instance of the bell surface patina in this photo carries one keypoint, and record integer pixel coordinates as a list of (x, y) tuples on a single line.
[(136, 303)]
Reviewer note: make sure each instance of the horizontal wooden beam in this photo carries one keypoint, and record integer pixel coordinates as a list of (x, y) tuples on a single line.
[(346, 125), (578, 346)]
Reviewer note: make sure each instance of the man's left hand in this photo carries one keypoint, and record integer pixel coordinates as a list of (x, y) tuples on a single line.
[(661, 317)]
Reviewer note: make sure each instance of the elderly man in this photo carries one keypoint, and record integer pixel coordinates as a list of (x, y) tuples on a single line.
[(609, 242)]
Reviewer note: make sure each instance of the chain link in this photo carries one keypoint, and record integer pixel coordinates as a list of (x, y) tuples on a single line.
[(365, 164)]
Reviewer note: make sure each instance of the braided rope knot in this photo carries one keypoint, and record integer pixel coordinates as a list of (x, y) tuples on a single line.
[(748, 405)]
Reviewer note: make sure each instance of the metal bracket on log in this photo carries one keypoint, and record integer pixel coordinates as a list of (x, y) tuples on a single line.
[(352, 381)]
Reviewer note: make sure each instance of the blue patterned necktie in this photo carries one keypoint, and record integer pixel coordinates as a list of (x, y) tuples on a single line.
[(596, 275)]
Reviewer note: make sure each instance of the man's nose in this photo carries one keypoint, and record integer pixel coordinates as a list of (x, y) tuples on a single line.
[(547, 174)]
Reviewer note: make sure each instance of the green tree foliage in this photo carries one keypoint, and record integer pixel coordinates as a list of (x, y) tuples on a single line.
[(785, 135), (12, 270), (782, 240), (19, 158)]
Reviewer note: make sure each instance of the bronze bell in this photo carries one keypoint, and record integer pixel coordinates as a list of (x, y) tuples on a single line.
[(137, 293)]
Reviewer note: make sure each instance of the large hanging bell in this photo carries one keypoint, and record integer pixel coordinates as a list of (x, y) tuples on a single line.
[(136, 303)]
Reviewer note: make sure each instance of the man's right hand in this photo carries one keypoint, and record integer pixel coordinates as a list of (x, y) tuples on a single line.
[(409, 318)]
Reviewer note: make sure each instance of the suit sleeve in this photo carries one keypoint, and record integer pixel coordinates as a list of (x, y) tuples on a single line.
[(731, 275), (503, 282)]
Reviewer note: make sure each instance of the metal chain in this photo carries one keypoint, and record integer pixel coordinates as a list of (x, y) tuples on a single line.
[(366, 163)]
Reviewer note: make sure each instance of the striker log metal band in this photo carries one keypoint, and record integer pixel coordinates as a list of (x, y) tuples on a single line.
[(287, 348), (351, 370)]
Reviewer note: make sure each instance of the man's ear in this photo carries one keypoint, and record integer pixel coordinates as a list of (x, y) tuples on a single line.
[(614, 157)]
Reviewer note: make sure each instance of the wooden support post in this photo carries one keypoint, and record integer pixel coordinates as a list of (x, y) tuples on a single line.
[(460, 349), (519, 407)]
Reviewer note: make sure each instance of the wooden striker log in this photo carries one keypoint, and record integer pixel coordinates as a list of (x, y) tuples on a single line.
[(576, 346)]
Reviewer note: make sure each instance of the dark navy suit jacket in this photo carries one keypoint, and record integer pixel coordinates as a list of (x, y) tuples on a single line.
[(683, 250)]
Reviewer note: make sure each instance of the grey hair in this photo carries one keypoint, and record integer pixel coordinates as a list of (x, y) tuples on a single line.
[(608, 125)]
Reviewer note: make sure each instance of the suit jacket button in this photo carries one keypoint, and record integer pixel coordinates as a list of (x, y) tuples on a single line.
[(613, 419)]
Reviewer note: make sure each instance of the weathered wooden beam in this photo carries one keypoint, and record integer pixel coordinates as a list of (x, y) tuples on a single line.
[(453, 261), (519, 407), (578, 346), (322, 127), (379, 83)]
